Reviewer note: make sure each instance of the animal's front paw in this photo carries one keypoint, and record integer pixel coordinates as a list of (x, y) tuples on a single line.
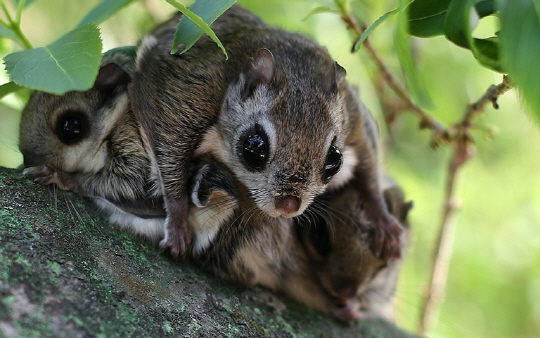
[(177, 238), (46, 174), (346, 310)]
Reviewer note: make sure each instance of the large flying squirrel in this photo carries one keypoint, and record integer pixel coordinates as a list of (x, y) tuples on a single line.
[(278, 113)]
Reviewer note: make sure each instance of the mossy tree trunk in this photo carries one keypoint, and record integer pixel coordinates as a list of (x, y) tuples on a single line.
[(66, 272)]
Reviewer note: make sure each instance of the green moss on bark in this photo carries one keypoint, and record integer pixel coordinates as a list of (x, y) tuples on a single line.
[(66, 272)]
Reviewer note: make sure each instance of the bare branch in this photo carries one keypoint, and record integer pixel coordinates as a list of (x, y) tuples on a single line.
[(426, 120), (463, 151)]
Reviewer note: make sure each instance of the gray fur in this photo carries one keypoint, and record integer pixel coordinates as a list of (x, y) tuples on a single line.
[(251, 248), (109, 162), (184, 100)]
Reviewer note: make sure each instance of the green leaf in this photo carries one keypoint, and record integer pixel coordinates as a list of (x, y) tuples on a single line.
[(416, 84), (371, 27), (103, 11), (488, 47), (486, 7), (537, 7), (424, 9), (427, 27), (344, 6), (201, 15), (6, 33), (70, 63), (426, 17), (520, 49), (128, 50), (320, 10), (461, 16), (8, 88), (458, 21)]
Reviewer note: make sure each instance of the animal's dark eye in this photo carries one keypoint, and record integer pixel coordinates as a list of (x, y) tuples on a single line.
[(71, 128), (255, 149), (334, 161)]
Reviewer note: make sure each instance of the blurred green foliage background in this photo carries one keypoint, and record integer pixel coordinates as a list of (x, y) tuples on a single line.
[(494, 278)]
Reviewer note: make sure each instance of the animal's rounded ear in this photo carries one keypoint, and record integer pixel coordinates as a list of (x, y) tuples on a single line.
[(334, 77), (261, 69), (111, 76), (406, 208)]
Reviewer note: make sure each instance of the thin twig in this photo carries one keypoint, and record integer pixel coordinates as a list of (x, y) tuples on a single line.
[(434, 292), (15, 27), (24, 41), (426, 120), (463, 151), (6, 11), (490, 96), (19, 12), (460, 136)]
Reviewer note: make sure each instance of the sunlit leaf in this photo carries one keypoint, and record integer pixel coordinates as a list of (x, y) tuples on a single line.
[(461, 18), (520, 49), (103, 11), (416, 84), (320, 10), (69, 63), (201, 15), (371, 27), (8, 88)]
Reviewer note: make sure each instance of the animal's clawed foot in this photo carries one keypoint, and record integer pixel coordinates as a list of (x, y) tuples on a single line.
[(46, 175), (177, 240)]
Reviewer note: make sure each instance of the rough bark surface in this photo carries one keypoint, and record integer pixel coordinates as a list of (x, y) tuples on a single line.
[(66, 272)]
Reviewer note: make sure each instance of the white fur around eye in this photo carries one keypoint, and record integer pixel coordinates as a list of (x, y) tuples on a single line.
[(347, 170), (270, 132)]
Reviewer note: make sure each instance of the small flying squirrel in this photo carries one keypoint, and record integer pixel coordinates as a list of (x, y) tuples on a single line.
[(90, 142), (278, 113), (337, 241), (322, 259)]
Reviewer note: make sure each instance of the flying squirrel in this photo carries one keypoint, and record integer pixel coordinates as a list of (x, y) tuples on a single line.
[(89, 142), (322, 259), (279, 113)]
